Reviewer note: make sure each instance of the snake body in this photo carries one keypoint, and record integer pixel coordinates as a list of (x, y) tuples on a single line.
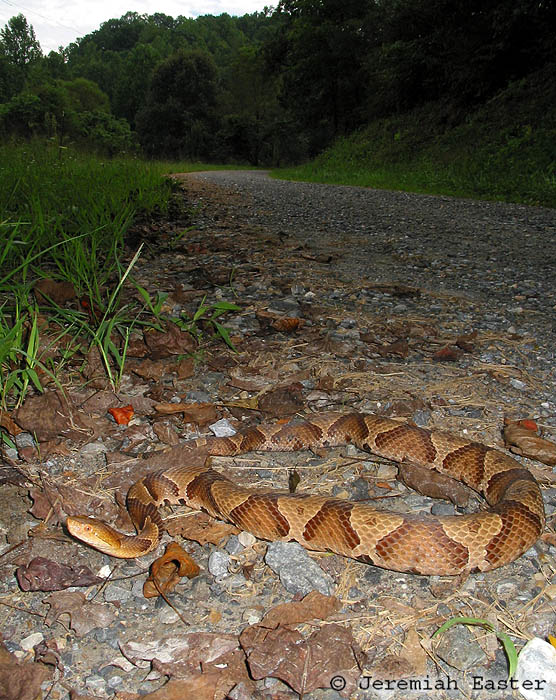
[(422, 544)]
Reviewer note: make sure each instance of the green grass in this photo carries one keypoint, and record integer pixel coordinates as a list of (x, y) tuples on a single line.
[(506, 150), (64, 216)]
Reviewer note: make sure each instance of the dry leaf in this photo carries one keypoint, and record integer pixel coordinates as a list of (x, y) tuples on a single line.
[(83, 615), (431, 483), (414, 652), (173, 341), (314, 605), (21, 681), (58, 292), (286, 324), (522, 440), (304, 664), (167, 570), (282, 401), (200, 414), (9, 425), (449, 353), (399, 348), (122, 415), (201, 528), (42, 574)]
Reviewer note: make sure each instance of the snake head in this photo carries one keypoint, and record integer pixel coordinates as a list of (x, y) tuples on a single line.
[(94, 533)]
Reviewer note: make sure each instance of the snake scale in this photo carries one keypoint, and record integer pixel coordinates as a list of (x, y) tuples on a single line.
[(416, 543)]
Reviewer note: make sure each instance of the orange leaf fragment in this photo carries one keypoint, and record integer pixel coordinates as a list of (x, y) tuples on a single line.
[(122, 415), (529, 423), (167, 570), (449, 353), (525, 441)]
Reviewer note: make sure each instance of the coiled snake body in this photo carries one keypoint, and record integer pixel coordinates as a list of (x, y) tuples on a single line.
[(422, 544)]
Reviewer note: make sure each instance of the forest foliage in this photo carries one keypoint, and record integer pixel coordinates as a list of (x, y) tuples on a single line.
[(272, 87)]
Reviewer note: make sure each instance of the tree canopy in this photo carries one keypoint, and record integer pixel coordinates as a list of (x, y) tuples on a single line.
[(272, 86)]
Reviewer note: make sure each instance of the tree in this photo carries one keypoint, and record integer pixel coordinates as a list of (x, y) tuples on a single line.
[(19, 43), (320, 53), (179, 116)]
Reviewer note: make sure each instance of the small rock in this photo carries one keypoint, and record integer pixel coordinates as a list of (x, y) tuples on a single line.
[(222, 428), (27, 643), (251, 616), (218, 564), (96, 684), (443, 509), (459, 649), (167, 616), (246, 539), (93, 448), (506, 588), (536, 670), (233, 545), (113, 593), (297, 571), (387, 471)]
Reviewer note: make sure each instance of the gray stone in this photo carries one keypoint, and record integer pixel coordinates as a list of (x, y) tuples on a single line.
[(536, 670), (297, 571), (218, 564), (459, 649)]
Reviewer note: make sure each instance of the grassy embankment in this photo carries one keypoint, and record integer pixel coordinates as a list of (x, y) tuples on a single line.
[(64, 216), (504, 150)]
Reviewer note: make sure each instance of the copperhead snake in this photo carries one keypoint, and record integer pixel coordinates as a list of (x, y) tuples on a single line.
[(422, 544)]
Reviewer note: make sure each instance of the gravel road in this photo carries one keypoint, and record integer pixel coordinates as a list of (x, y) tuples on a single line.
[(487, 250)]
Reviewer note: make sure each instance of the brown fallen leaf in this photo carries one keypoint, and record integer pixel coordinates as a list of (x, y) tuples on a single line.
[(201, 659), (466, 341), (149, 369), (200, 528), (523, 440), (392, 667), (58, 292), (314, 605), (21, 681), (433, 484), (42, 574), (52, 415), (304, 664), (165, 432), (9, 425), (200, 414), (172, 341), (185, 368), (83, 615), (282, 401), (399, 348), (286, 324), (414, 652), (167, 570)]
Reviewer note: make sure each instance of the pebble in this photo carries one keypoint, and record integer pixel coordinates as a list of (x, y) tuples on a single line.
[(537, 662), (222, 428), (113, 592), (296, 570), (28, 643), (233, 545), (218, 564), (443, 509), (167, 616), (458, 648)]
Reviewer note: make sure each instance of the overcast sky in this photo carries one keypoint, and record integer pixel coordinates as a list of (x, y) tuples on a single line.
[(59, 22)]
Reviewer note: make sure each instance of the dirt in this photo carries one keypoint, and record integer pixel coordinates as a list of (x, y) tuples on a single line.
[(434, 309)]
